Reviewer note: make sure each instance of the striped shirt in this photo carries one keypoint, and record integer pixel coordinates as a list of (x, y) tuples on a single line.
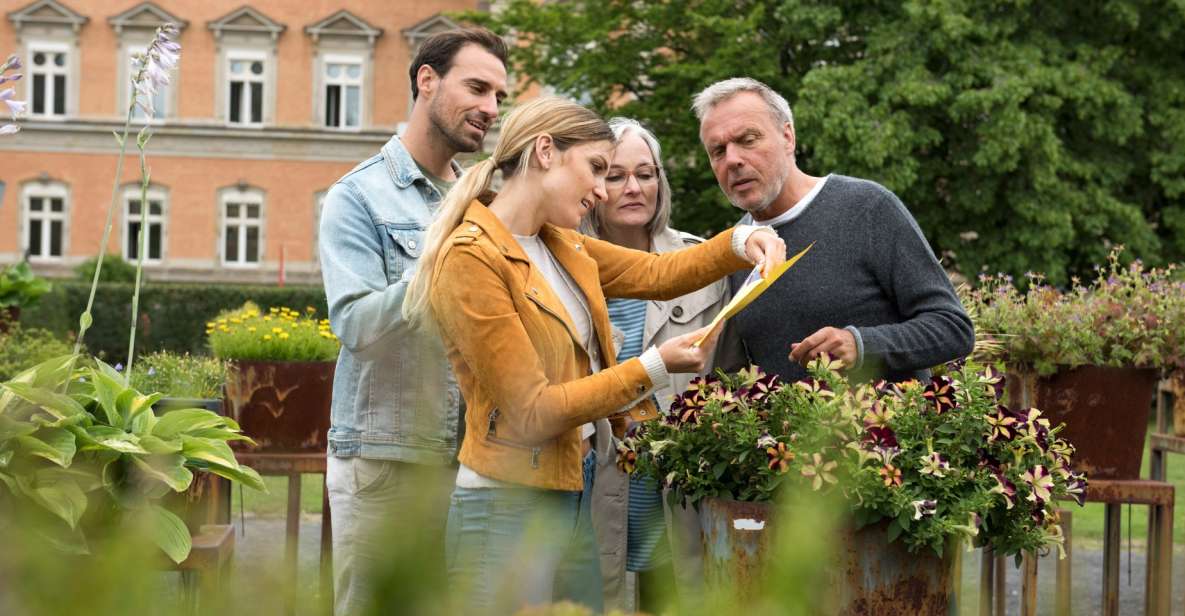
[(645, 526)]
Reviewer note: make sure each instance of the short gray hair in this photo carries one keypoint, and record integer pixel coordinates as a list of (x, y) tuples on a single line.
[(662, 213), (721, 91)]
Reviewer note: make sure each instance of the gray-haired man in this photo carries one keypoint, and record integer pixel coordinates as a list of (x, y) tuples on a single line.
[(870, 292)]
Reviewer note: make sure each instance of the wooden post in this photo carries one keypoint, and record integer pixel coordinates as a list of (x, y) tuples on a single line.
[(1000, 601), (292, 541), (987, 585), (1028, 586), (1164, 563), (1063, 601), (1111, 538)]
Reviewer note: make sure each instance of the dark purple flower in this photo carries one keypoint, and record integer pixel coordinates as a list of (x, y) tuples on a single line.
[(940, 393), (881, 436)]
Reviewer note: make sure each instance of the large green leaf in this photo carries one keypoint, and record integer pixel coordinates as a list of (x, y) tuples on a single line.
[(106, 437), (174, 423), (140, 419), (208, 450), (170, 534), (59, 405), (54, 444), (106, 390), (61, 497), (112, 373), (169, 468), (155, 444), (242, 474), (12, 428)]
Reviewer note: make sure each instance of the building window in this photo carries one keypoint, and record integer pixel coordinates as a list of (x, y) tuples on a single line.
[(343, 92), (246, 75), (48, 72), (135, 215), (242, 227), (45, 222)]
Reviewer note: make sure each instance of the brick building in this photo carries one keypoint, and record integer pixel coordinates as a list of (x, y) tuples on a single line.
[(271, 103)]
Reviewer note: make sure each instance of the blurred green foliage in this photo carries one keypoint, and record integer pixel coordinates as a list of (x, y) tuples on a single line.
[(24, 347), (19, 287), (179, 375), (115, 269)]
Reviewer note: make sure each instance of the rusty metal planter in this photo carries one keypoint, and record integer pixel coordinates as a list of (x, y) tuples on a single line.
[(1105, 410), (283, 406), (873, 575)]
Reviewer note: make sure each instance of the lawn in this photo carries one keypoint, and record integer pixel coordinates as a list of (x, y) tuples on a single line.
[(275, 502)]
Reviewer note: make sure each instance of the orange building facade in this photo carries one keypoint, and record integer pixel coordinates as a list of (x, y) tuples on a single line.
[(271, 103)]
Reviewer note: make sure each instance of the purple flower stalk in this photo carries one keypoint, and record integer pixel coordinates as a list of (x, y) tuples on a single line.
[(15, 107), (153, 67)]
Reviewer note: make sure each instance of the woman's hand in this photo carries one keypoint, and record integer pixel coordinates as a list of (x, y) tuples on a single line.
[(680, 354), (765, 248)]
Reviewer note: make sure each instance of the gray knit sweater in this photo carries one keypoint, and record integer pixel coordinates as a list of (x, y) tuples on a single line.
[(872, 269)]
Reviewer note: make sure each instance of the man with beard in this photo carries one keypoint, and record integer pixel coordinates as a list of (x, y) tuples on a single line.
[(395, 403), (870, 293)]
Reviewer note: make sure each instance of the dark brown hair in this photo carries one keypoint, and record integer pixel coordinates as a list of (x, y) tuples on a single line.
[(440, 49)]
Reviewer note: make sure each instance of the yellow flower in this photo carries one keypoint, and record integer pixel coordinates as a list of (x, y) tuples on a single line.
[(267, 337), (276, 330), (236, 321), (209, 324), (222, 321), (284, 336), (223, 328), (310, 309), (273, 310), (294, 325), (251, 329), (267, 318)]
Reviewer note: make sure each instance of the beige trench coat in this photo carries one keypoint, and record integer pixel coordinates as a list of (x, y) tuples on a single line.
[(610, 500)]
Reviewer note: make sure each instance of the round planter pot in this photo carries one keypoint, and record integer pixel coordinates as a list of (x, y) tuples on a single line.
[(283, 406), (873, 576), (1105, 410)]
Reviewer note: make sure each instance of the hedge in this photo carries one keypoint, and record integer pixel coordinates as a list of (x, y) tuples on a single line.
[(172, 315)]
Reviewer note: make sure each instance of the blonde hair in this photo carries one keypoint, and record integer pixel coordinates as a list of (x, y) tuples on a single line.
[(566, 122)]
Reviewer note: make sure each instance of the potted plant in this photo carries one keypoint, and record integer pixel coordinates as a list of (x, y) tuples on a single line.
[(193, 381), (84, 458), (19, 288), (920, 466), (1090, 356), (280, 376)]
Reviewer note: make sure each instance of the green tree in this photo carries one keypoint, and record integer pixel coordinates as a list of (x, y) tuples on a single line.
[(1022, 135)]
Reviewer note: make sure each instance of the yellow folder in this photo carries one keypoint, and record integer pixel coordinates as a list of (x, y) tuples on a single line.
[(754, 286)]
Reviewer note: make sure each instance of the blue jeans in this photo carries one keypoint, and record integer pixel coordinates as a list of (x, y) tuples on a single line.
[(506, 548)]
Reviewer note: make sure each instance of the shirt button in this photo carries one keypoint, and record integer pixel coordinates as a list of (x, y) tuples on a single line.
[(411, 244), (578, 247), (641, 389), (642, 413), (677, 310), (473, 227)]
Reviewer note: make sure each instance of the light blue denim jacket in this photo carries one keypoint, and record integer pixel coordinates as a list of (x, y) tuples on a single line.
[(394, 396)]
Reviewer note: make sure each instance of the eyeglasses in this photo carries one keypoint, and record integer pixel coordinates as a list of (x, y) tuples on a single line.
[(646, 175)]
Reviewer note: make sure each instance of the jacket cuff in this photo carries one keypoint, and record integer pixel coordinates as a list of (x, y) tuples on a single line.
[(859, 346), (655, 368), (740, 235)]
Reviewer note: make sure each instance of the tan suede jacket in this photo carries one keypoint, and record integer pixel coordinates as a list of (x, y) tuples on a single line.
[(524, 375)]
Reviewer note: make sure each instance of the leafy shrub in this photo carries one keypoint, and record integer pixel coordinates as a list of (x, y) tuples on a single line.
[(19, 287), (173, 315), (24, 347), (115, 269), (179, 376), (279, 334)]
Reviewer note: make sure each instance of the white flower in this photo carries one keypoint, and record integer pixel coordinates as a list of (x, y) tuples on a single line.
[(924, 508)]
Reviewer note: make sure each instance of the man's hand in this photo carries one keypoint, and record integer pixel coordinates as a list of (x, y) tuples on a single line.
[(837, 343)]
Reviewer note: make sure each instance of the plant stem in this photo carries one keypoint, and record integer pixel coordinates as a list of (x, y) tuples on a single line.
[(84, 322), (142, 241)]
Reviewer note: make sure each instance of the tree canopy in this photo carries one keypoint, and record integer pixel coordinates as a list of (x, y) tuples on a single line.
[(1022, 135)]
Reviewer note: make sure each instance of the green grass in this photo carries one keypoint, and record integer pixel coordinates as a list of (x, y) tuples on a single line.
[(1088, 520), (275, 502)]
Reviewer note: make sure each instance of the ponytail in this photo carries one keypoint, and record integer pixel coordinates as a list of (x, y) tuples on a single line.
[(416, 308)]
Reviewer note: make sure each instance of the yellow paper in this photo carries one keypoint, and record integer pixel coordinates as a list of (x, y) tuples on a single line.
[(748, 293)]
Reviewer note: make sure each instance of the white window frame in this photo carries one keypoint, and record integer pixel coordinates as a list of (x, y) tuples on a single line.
[(49, 71), (132, 193), (248, 56), (343, 82), (161, 101), (243, 197), (45, 191)]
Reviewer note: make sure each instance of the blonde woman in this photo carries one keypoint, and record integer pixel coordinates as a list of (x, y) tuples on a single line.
[(627, 513), (518, 297)]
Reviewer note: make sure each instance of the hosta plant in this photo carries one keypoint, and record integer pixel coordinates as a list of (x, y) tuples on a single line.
[(20, 287), (938, 460), (83, 456), (1129, 315)]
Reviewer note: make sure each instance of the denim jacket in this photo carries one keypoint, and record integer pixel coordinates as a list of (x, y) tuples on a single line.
[(394, 396)]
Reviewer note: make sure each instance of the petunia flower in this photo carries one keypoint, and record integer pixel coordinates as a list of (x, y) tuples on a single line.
[(878, 415), (934, 464), (1040, 483), (1005, 487), (881, 436), (765, 441), (924, 508), (891, 475), (627, 458), (819, 471), (780, 458), (1076, 487), (940, 393), (1003, 424)]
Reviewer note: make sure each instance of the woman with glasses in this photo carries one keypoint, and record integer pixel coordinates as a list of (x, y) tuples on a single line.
[(635, 215)]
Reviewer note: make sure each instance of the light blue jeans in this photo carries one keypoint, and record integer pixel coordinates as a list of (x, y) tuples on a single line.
[(507, 548)]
